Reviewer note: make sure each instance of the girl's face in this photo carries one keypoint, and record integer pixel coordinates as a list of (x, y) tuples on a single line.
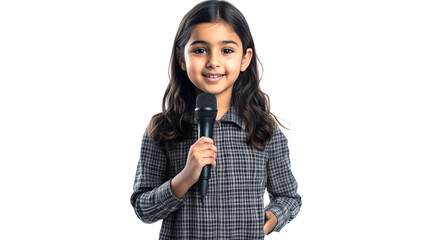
[(213, 58)]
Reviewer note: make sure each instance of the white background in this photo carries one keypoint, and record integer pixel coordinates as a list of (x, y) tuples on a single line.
[(81, 79)]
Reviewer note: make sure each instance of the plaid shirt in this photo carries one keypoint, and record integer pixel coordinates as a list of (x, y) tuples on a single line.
[(234, 204)]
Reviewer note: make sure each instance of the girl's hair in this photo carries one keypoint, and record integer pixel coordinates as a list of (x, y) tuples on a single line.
[(175, 121)]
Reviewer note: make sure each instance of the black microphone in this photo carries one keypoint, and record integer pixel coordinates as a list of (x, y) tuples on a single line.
[(205, 112)]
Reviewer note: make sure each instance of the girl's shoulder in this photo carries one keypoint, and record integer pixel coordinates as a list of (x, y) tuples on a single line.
[(278, 138)]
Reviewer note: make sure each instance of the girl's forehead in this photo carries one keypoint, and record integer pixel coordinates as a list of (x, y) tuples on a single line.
[(214, 33)]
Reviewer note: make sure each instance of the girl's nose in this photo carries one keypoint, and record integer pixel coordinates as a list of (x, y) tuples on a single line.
[(213, 61)]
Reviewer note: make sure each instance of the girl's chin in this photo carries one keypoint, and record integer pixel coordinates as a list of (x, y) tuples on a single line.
[(206, 90), (214, 89)]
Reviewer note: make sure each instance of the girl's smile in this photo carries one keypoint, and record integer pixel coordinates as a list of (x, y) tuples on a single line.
[(213, 58), (213, 77)]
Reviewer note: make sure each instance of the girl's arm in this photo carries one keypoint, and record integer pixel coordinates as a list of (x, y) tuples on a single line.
[(155, 196), (285, 202), (180, 185), (152, 198)]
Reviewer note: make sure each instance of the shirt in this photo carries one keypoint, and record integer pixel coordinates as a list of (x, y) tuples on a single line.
[(234, 204)]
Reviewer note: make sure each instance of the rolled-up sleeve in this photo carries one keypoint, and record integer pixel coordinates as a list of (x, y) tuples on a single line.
[(285, 202), (152, 198)]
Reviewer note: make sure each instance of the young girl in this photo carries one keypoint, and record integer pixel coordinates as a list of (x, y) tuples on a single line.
[(214, 52)]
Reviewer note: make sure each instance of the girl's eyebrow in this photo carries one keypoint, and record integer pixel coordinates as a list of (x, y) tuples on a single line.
[(206, 43)]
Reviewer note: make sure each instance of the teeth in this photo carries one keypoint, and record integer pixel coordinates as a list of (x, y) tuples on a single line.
[(214, 76)]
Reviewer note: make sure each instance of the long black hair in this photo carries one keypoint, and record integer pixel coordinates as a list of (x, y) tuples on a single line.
[(174, 123)]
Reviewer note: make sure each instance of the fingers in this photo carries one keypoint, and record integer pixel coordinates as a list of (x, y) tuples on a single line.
[(205, 155), (204, 151), (270, 222), (204, 144), (205, 139), (268, 226), (265, 228)]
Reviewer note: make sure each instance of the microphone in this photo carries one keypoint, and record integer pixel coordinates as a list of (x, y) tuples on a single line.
[(205, 111)]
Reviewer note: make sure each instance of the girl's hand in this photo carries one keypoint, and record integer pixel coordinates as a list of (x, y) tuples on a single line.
[(201, 153), (270, 222)]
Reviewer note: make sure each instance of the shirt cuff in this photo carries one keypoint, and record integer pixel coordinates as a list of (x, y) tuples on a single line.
[(166, 198), (281, 217)]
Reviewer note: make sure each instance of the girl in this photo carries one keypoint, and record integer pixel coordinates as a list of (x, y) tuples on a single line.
[(214, 52)]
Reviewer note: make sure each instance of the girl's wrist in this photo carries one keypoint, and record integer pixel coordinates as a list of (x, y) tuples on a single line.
[(180, 185), (187, 180)]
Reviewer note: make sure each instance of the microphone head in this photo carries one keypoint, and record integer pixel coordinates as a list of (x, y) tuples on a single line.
[(206, 101)]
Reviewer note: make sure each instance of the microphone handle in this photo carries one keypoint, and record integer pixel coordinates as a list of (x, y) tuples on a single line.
[(205, 128), (203, 182)]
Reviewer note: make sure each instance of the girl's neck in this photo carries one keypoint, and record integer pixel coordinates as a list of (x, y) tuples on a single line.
[(223, 105)]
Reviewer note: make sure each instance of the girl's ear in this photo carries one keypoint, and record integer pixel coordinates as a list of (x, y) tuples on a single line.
[(180, 59), (247, 58)]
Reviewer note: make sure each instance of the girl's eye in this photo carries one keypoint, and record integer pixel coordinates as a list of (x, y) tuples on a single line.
[(227, 51), (200, 51)]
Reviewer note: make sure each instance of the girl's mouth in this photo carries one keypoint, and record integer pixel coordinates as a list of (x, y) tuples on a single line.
[(213, 77)]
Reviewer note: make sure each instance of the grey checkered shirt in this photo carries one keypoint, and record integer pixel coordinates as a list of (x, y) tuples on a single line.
[(234, 204)]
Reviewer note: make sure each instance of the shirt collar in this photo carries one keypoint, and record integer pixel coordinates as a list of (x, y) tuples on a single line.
[(230, 116)]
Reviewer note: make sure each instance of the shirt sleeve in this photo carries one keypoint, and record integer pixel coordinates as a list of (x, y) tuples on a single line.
[(285, 202), (152, 198)]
